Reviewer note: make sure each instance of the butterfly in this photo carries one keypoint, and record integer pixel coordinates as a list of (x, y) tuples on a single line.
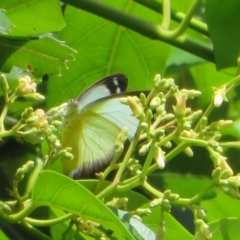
[(92, 123)]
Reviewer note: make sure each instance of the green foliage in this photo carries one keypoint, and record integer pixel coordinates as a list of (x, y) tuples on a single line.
[(66, 47)]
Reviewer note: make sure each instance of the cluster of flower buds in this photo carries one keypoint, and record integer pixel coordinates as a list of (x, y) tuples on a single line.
[(119, 203), (165, 200), (19, 175), (38, 119), (203, 231), (26, 85), (85, 225), (134, 167)]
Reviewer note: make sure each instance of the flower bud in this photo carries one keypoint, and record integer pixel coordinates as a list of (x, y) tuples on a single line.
[(144, 149), (144, 126), (34, 97), (119, 203), (156, 202), (219, 96), (143, 212), (149, 115), (27, 113), (135, 107), (159, 157), (161, 109), (135, 169), (180, 107), (191, 93), (215, 126), (25, 86), (231, 191), (39, 120), (143, 99), (194, 116), (155, 102), (188, 151), (202, 229), (4, 84)]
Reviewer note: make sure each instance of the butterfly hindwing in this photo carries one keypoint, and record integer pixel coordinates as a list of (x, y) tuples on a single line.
[(92, 140)]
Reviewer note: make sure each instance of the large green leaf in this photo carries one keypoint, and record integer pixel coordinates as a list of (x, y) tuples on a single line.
[(41, 56), (56, 190), (33, 17), (221, 207), (186, 185), (223, 21), (103, 48)]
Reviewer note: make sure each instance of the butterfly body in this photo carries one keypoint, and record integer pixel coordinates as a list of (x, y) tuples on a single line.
[(92, 123)]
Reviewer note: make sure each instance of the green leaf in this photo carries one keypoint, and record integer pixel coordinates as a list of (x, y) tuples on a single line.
[(186, 185), (33, 17), (140, 230), (223, 21), (56, 190), (221, 207), (104, 48), (5, 23), (174, 230), (3, 236), (41, 56)]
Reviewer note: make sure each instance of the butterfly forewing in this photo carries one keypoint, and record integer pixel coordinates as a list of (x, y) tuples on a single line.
[(115, 83)]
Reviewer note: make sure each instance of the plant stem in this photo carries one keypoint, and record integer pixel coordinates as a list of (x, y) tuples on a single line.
[(176, 16), (34, 232), (198, 196), (166, 13), (143, 27), (44, 223)]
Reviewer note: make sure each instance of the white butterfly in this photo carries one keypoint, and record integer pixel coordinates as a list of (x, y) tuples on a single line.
[(91, 125)]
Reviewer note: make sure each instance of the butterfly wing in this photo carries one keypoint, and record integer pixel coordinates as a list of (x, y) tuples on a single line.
[(115, 83), (115, 111), (91, 129), (92, 140)]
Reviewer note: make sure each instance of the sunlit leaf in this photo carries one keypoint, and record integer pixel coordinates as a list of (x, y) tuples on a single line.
[(41, 56), (33, 17), (56, 190)]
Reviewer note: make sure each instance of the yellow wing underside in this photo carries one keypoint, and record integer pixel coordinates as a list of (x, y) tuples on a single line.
[(92, 138)]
